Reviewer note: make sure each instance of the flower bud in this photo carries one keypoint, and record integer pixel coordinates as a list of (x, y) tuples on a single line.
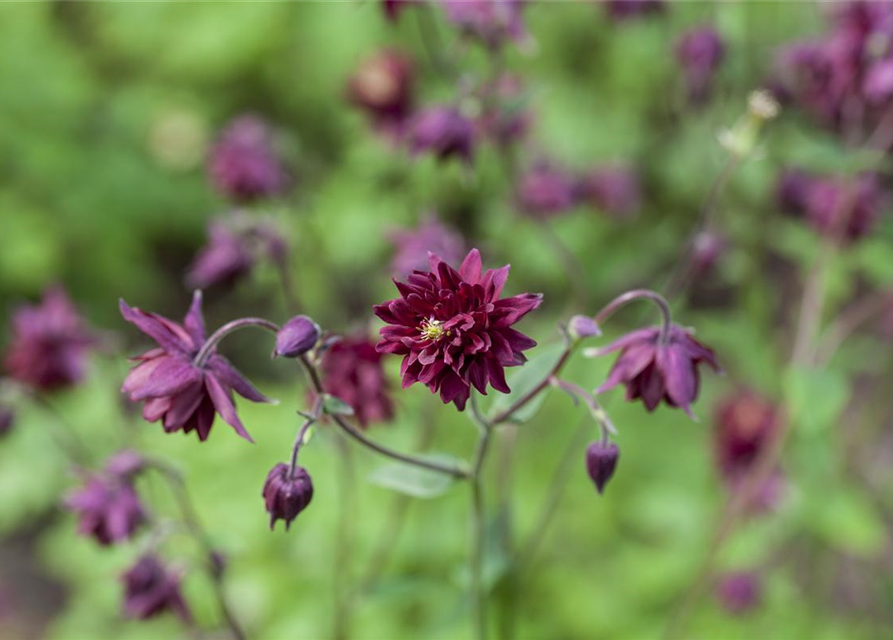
[(285, 494), (296, 337), (601, 460), (583, 327), (7, 419)]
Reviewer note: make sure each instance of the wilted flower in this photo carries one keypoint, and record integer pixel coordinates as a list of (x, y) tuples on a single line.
[(492, 22), (177, 390), (443, 132), (546, 191), (739, 591), (108, 508), (286, 495), (506, 118), (243, 165), (383, 87), (7, 420), (655, 371), (431, 236), (226, 258), (352, 371), (699, 53), (629, 9), (601, 461), (49, 343), (151, 589), (453, 330), (613, 189), (296, 337)]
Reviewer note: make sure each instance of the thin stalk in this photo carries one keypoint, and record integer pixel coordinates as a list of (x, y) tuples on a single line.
[(639, 294), (343, 588), (478, 533), (208, 348)]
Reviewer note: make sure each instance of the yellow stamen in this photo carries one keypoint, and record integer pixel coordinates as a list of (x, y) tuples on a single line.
[(432, 329)]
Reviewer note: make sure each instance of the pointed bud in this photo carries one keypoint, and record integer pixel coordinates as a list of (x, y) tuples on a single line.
[(285, 494), (601, 460), (583, 327), (296, 337)]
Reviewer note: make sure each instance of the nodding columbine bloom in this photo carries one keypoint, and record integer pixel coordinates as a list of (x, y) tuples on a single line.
[(383, 86), (286, 495), (243, 165), (492, 22), (505, 119), (453, 329), (178, 391), (601, 461), (430, 236), (108, 508), (653, 371), (443, 132), (739, 591), (151, 589), (546, 191), (352, 371), (49, 345), (223, 260), (699, 53), (620, 10), (613, 189)]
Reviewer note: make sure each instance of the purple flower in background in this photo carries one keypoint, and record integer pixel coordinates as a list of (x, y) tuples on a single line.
[(453, 329), (699, 53), (151, 589), (393, 8), (223, 260), (739, 591), (877, 87), (48, 350), (614, 189), (178, 391), (621, 10), (745, 424), (412, 246), (653, 371), (383, 86), (443, 132), (108, 508), (506, 118), (286, 495), (7, 419), (352, 371), (707, 248), (492, 22), (792, 190), (546, 191), (601, 461), (243, 164)]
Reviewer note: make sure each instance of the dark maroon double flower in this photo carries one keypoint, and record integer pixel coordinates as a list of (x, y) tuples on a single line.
[(177, 390), (453, 329)]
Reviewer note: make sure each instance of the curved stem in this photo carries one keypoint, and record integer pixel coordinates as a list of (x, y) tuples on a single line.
[(639, 294), (507, 413), (299, 440), (211, 343)]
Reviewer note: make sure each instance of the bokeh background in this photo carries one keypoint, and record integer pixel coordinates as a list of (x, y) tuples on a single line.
[(107, 113)]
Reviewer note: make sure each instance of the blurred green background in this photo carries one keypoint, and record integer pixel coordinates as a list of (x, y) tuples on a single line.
[(106, 110)]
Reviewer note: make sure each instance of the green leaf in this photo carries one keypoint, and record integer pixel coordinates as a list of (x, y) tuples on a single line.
[(415, 481), (336, 406), (816, 397), (525, 379), (848, 521)]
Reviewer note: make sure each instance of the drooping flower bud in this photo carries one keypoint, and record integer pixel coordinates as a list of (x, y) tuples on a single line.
[(296, 337), (739, 591), (601, 461), (286, 495), (583, 327), (7, 420), (150, 589)]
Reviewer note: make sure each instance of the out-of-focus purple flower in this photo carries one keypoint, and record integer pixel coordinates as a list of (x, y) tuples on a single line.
[(49, 345), (296, 337), (699, 53), (223, 260), (601, 461), (653, 371), (739, 591), (621, 10), (431, 236), (150, 589), (613, 189), (125, 464), (707, 247), (443, 132), (492, 22), (878, 84), (546, 191), (243, 164), (108, 508), (506, 119), (393, 8), (286, 495), (792, 190), (352, 371), (178, 391), (453, 329), (7, 419), (383, 86)]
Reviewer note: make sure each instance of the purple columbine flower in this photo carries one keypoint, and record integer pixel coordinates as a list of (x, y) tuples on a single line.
[(243, 165), (699, 53), (739, 591), (613, 189), (621, 10), (546, 191), (177, 390), (108, 508), (506, 118), (384, 87), (443, 132), (223, 260), (655, 371), (49, 345), (834, 212), (151, 589), (287, 494), (492, 22), (453, 329), (601, 461), (352, 371), (296, 337), (430, 236)]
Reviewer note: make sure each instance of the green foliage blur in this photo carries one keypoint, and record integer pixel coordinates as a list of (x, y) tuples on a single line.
[(106, 112)]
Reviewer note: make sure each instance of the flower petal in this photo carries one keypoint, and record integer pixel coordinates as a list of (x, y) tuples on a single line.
[(230, 376), (194, 321), (471, 266), (223, 404), (155, 327)]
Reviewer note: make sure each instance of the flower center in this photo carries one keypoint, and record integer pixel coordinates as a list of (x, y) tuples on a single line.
[(432, 329)]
